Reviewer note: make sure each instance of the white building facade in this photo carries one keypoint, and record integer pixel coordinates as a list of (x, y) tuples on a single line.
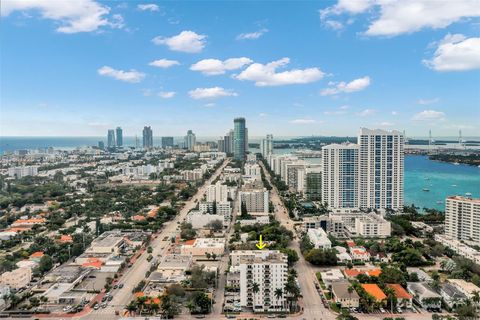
[(462, 219)]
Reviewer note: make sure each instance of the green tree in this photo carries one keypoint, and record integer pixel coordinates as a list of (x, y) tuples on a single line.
[(45, 264)]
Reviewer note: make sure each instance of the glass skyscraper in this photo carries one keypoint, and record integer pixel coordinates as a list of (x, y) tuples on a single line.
[(119, 132), (111, 138), (239, 139), (147, 138)]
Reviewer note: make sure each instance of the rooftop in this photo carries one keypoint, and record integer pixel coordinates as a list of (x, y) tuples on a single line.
[(374, 290), (400, 292)]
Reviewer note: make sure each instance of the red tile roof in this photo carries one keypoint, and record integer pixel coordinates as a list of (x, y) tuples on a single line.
[(374, 290), (37, 254), (400, 292)]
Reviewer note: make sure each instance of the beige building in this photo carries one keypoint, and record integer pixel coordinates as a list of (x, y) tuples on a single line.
[(201, 246), (341, 294), (462, 218), (18, 278)]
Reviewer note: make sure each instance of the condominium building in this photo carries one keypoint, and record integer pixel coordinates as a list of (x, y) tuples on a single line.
[(228, 142), (167, 142), (313, 184), (252, 170), (381, 169), (217, 192), (266, 147), (23, 171), (462, 219), (340, 175), (190, 140), (239, 139), (267, 273), (16, 279), (372, 225), (119, 133), (147, 137), (111, 138), (255, 200)]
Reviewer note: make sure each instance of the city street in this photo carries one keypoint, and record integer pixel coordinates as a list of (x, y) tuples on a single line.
[(312, 302), (121, 297)]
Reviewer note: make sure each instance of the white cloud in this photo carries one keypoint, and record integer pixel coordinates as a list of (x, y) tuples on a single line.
[(185, 41), (252, 35), (425, 102), (215, 67), (262, 114), (343, 87), (303, 121), (265, 74), (394, 113), (132, 75), (456, 53), (333, 24), (341, 110), (429, 115), (366, 113), (148, 7), (394, 17), (166, 94), (72, 16), (386, 124), (211, 93), (164, 63), (209, 105)]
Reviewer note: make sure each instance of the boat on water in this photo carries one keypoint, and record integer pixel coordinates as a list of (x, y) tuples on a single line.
[(456, 163), (425, 189), (468, 194), (439, 202), (454, 185)]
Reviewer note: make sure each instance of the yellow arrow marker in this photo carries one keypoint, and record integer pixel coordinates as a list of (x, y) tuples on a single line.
[(260, 245)]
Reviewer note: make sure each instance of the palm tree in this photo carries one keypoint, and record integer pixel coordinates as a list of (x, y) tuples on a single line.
[(154, 307), (476, 297), (214, 256), (141, 303), (278, 293), (208, 255), (390, 296), (190, 306), (131, 308), (255, 289)]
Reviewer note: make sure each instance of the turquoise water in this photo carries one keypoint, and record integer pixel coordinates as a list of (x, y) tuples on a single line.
[(442, 179)]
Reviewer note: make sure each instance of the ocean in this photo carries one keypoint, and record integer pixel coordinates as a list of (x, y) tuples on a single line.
[(441, 179)]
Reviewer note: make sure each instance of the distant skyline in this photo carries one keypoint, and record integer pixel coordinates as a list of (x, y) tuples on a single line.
[(290, 68)]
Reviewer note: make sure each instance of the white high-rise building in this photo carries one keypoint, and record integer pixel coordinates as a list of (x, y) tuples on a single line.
[(253, 170), (266, 147), (190, 140), (217, 192), (20, 172), (340, 175), (255, 200), (381, 169), (462, 218), (269, 271)]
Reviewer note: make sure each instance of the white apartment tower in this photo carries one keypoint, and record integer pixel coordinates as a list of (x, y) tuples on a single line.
[(255, 200), (217, 192), (266, 147), (462, 218), (340, 175), (380, 169), (267, 271)]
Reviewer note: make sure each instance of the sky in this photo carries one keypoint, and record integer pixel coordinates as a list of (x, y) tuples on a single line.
[(78, 68)]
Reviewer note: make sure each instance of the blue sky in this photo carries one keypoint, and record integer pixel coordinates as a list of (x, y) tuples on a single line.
[(291, 68)]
